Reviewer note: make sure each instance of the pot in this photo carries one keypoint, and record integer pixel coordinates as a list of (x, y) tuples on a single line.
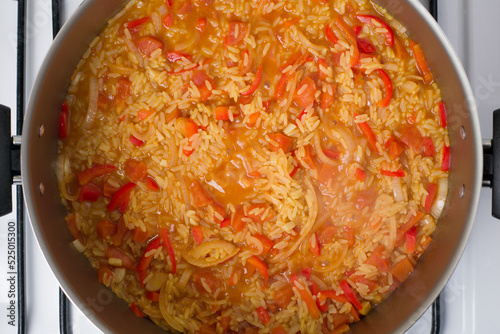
[(111, 314)]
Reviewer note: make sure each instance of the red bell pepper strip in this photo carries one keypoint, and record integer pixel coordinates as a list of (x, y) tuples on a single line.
[(428, 147), (89, 192), (261, 268), (365, 46), (153, 296), (263, 315), (222, 113), (360, 175), (367, 131), (88, 175), (442, 114), (445, 165), (121, 197), (151, 184), (255, 84), (411, 240), (174, 56), (330, 35), (387, 87), (225, 223), (294, 171), (398, 173), (370, 20), (340, 23), (323, 295), (350, 294), (168, 245), (136, 142), (63, 121), (312, 307), (432, 190), (168, 20), (136, 23), (136, 310), (422, 66), (197, 234)]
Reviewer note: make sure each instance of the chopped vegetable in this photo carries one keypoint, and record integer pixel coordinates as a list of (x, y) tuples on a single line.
[(237, 32), (146, 45), (429, 200), (327, 96), (341, 329), (263, 315), (136, 310), (117, 253), (198, 234), (255, 84), (139, 235), (144, 113), (168, 245), (397, 173), (174, 56), (346, 30), (378, 259), (266, 243), (256, 212), (330, 35), (281, 86), (323, 295), (360, 175), (394, 149), (136, 142), (387, 87), (283, 296), (367, 131), (307, 298), (88, 175), (200, 79), (422, 66), (121, 198), (365, 46), (376, 22), (442, 114), (168, 20), (153, 296), (402, 269), (411, 240), (89, 192), (201, 24), (350, 294), (411, 137), (105, 228), (280, 141), (135, 170), (261, 268), (104, 273), (222, 113), (314, 245), (304, 95), (63, 121), (445, 165), (278, 330), (200, 196), (225, 223), (322, 69), (428, 147), (151, 184)]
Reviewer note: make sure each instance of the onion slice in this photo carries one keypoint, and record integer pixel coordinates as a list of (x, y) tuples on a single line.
[(442, 193), (211, 253), (319, 152), (134, 50), (397, 189), (92, 107)]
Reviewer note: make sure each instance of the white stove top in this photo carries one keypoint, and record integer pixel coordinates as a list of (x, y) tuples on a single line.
[(469, 300)]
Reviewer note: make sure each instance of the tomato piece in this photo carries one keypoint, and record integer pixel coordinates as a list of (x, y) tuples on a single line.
[(136, 25), (445, 165), (422, 66), (314, 245), (280, 87), (350, 294), (346, 30), (146, 45), (397, 173), (360, 175), (88, 175), (210, 280), (151, 184), (201, 24), (283, 296), (200, 196), (278, 330), (237, 32), (222, 113), (105, 228), (326, 173), (139, 235), (378, 259), (200, 79), (365, 46), (442, 114), (367, 131), (237, 223), (136, 310), (411, 137), (402, 269), (411, 240), (198, 234), (117, 253), (305, 93), (261, 268), (263, 315), (325, 294), (89, 192), (387, 87), (63, 121), (255, 83), (168, 245), (252, 119), (429, 200), (135, 170), (328, 96), (327, 235), (394, 149), (361, 279), (168, 20), (266, 243), (121, 198), (174, 56), (428, 147), (103, 271), (376, 22), (330, 35), (153, 296), (322, 69), (279, 141)]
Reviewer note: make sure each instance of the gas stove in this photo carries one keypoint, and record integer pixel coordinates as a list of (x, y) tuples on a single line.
[(30, 299)]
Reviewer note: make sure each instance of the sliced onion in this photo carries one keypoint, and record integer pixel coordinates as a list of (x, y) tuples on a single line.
[(93, 98), (201, 255), (184, 191), (257, 244), (141, 136), (300, 38), (188, 43), (166, 308), (155, 17), (319, 152), (156, 281), (442, 193), (397, 189), (135, 51)]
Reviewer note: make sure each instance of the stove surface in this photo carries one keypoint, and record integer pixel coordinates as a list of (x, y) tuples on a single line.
[(468, 302)]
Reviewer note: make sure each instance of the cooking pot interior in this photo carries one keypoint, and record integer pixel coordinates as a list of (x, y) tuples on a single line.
[(109, 313)]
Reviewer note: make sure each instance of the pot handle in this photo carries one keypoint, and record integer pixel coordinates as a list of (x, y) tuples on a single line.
[(491, 165), (9, 161)]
